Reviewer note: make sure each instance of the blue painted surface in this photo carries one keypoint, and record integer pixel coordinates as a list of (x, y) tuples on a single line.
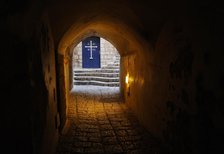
[(91, 59)]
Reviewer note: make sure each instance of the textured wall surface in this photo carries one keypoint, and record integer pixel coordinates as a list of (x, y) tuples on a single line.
[(28, 78), (43, 78), (177, 90)]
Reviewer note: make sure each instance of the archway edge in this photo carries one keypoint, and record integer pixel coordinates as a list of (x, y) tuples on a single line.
[(123, 37)]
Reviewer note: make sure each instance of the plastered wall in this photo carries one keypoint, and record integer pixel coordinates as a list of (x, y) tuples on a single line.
[(175, 87)]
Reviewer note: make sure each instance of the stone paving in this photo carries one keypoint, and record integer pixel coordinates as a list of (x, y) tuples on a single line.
[(101, 123)]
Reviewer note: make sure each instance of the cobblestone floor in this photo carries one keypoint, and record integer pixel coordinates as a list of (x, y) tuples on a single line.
[(101, 123)]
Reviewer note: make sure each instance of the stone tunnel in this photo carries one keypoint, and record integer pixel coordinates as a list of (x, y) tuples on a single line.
[(171, 52)]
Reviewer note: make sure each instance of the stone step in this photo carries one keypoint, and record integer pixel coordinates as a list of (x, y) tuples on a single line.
[(105, 76), (115, 64), (111, 67), (97, 83), (96, 70), (97, 74), (92, 78)]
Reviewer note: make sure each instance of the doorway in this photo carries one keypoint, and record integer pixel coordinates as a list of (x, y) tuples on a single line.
[(91, 52), (96, 62)]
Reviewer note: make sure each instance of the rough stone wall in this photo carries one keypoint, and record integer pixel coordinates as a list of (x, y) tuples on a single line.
[(62, 89), (107, 54), (192, 105), (29, 104), (178, 88), (77, 56), (43, 77)]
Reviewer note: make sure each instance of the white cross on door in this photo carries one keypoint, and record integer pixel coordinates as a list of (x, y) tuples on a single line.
[(91, 47)]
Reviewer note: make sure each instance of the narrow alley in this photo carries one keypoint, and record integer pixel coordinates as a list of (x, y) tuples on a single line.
[(164, 57), (101, 123)]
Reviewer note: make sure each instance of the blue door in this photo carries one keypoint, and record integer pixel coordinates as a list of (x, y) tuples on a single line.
[(91, 52)]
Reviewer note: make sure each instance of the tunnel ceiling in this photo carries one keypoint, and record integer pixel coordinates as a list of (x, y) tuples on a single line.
[(123, 38), (123, 23)]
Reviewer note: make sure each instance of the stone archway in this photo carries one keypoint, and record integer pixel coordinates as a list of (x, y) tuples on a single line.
[(122, 37)]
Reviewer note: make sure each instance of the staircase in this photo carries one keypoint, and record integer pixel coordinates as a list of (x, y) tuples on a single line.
[(105, 76)]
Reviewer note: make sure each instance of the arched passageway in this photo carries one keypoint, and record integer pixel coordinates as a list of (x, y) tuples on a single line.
[(100, 121), (157, 58), (97, 119), (171, 69), (128, 45)]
